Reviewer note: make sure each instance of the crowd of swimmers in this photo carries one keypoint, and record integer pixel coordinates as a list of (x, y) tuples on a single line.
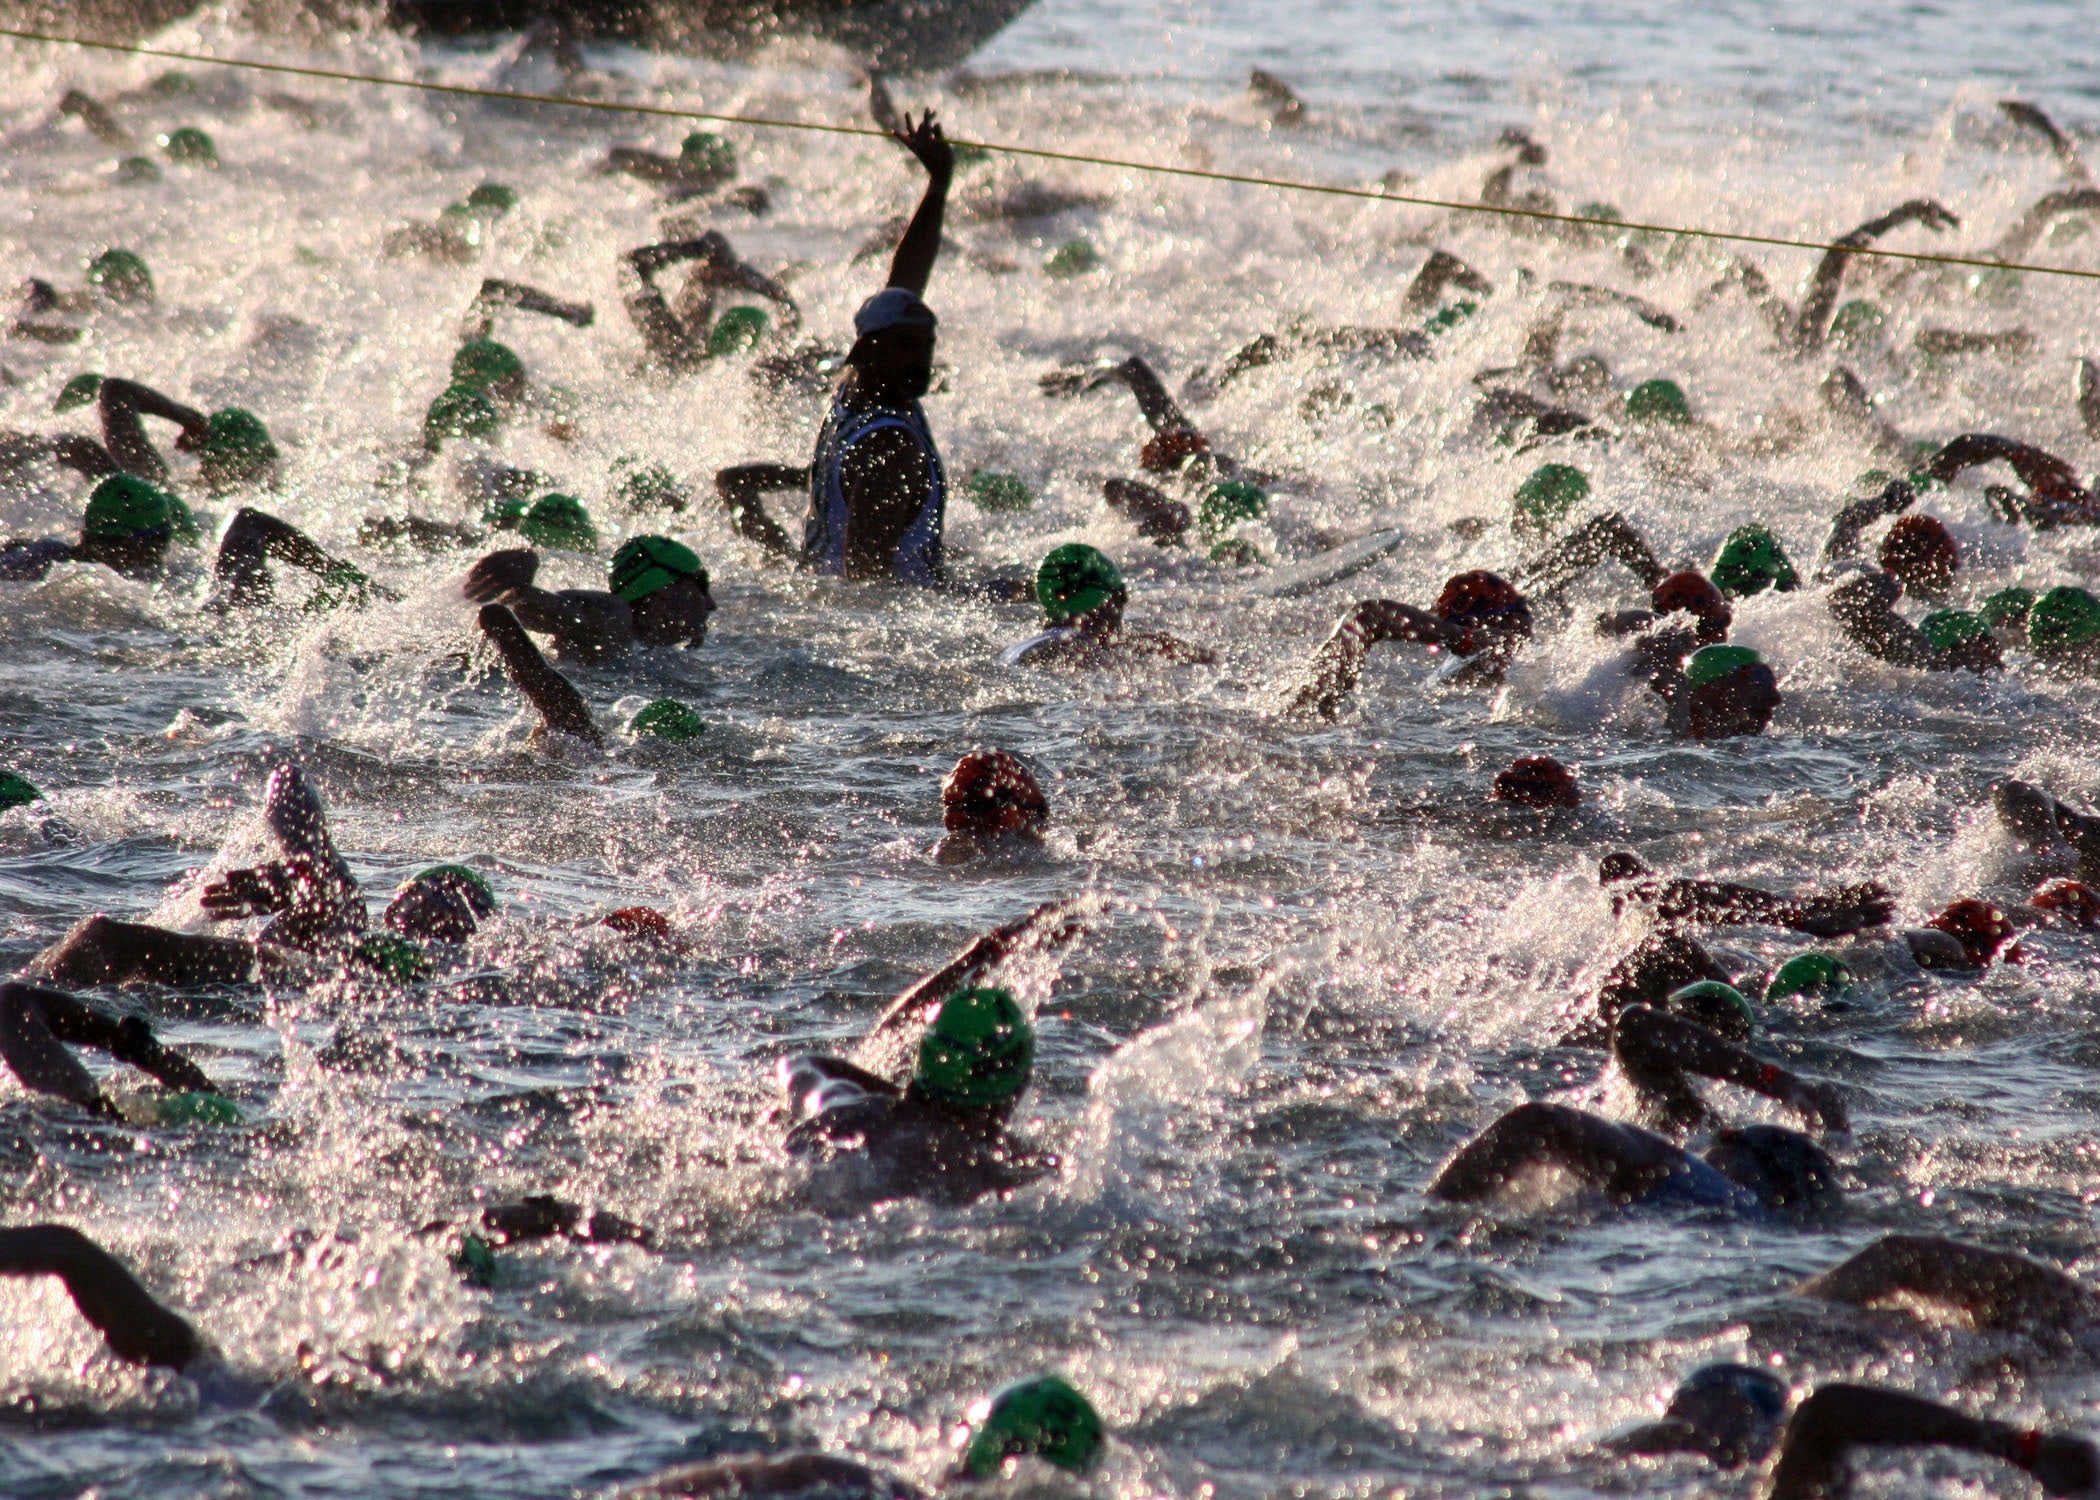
[(924, 1107)]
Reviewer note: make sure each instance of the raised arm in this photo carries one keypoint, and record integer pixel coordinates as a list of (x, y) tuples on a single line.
[(138, 1328), (2046, 209), (560, 705), (1895, 498), (1599, 538), (585, 623), (121, 404), (1837, 1418), (1338, 665), (495, 295), (1656, 1049), (1812, 324), (2057, 493), (1865, 607), (912, 266), (739, 489), (1995, 1288), (1621, 1160)]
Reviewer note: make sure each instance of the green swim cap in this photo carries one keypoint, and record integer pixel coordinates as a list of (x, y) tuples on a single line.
[(124, 506), (492, 198), (2063, 617), (1001, 492), (1712, 663), (469, 883), (343, 583), (738, 329), (1045, 1416), (1548, 493), (189, 144), (1075, 579), (122, 276), (503, 513), (1751, 561), (80, 391), (460, 411), (668, 719), (705, 151), (1659, 401), (645, 564), (979, 1050), (17, 791), (1947, 628), (1227, 505), (2007, 606), (1856, 321), (1711, 1001), (237, 449), (1807, 973), (643, 486), (1074, 257), (487, 364), (1444, 319), (559, 521), (196, 1107), (138, 169), (475, 1260), (395, 957)]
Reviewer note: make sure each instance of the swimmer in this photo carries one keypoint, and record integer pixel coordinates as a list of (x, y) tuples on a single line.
[(233, 447), (1654, 972), (1729, 1414), (1746, 1170), (2034, 118), (1918, 551), (560, 707), (1722, 903), (878, 496), (657, 594), (1478, 615), (705, 161), (1177, 448), (2046, 825), (686, 335), (1992, 1289), (2054, 496), (1806, 330), (139, 1330), (1658, 1052), (494, 296), (1601, 538), (460, 230), (1718, 692), (1587, 374), (1083, 595), (241, 577), (126, 527), (36, 1025), (1538, 782), (1947, 640), (115, 278), (1707, 617), (990, 803), (1815, 1456), (1042, 1417), (1845, 397)]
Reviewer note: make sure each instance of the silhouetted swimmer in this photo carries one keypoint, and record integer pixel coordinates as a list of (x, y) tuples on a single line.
[(560, 707), (1815, 1456), (1538, 782), (705, 161), (1478, 615), (115, 278), (1599, 539), (2046, 825), (138, 1328), (658, 594), (460, 231), (1668, 971), (127, 526), (241, 576), (1177, 445), (1718, 692), (1947, 640), (1042, 1417), (2054, 496), (878, 495), (1706, 620), (991, 803), (1683, 902), (2035, 118), (1992, 1289), (1729, 1414), (1083, 596), (37, 1024), (1586, 374), (1757, 1168), (1660, 1054), (233, 447), (1805, 330), (685, 334)]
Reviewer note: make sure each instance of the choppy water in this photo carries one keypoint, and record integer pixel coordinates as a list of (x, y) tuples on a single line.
[(1339, 962)]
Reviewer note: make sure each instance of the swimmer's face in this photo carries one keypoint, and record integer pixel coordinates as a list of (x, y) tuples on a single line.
[(897, 356), (424, 909), (674, 615), (1730, 1426), (1740, 703)]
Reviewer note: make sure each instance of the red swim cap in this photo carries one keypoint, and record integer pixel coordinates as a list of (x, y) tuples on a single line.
[(2072, 900), (1477, 593), (1537, 781), (1922, 552), (1167, 451), (1978, 926), (1689, 592), (639, 922), (990, 791)]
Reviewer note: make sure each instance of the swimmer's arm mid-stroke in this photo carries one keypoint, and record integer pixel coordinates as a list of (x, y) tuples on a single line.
[(2057, 497), (241, 575), (1724, 902), (1055, 921), (1833, 1421), (36, 1024), (139, 1330), (1995, 1288), (496, 295), (1845, 531), (1812, 325), (1338, 665), (560, 706), (585, 623), (121, 404), (740, 489), (1606, 1155), (1656, 1049)]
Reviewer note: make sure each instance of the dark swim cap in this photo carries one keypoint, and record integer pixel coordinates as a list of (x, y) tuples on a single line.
[(1537, 781), (979, 1051), (1807, 974), (999, 492), (1477, 594), (1690, 592), (124, 506), (1074, 580), (1659, 401), (460, 411), (1922, 552), (645, 564), (237, 449), (1166, 452), (704, 151), (738, 329), (1763, 1391), (1045, 1416), (1714, 1005), (1751, 561), (1948, 628), (487, 364), (993, 786), (2007, 607), (1978, 926), (1712, 663), (1548, 493), (122, 276), (668, 719), (559, 521), (2063, 617), (1793, 1171), (492, 198), (80, 391), (469, 884), (1227, 505), (17, 791), (191, 145)]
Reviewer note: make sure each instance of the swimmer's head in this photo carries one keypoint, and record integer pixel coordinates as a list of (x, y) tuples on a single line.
[(559, 522), (2063, 621), (1077, 584), (1227, 504), (2007, 609), (978, 1054), (643, 486), (1947, 629), (128, 523), (894, 340), (1045, 1417), (1751, 561), (666, 587), (1719, 1007), (460, 411), (17, 791), (1167, 452), (1545, 497), (445, 904), (1659, 402), (489, 366), (738, 329), (1689, 592), (1622, 864), (492, 200), (1808, 974), (2069, 901), (1729, 690), (1784, 1168), (1978, 926), (1857, 322), (191, 146), (668, 719), (1537, 781), (122, 277), (1922, 552), (81, 390), (393, 956), (236, 450), (1487, 604), (705, 152), (991, 792), (1733, 1411)]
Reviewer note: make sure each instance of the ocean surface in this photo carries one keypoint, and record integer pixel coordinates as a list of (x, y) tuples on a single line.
[(1319, 959)]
